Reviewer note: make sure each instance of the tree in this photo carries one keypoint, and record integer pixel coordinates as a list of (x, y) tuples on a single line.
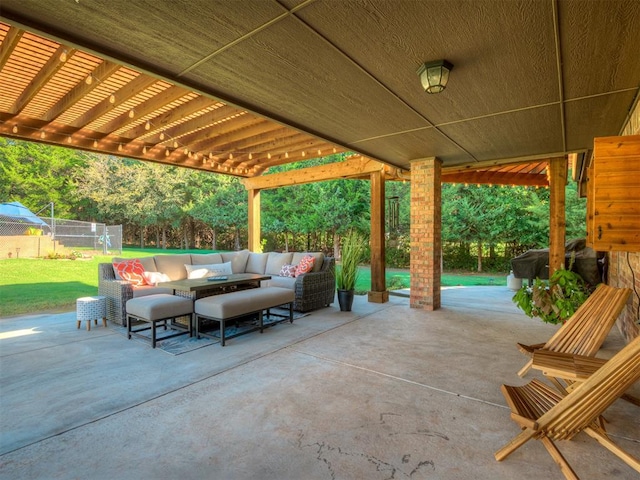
[(37, 174)]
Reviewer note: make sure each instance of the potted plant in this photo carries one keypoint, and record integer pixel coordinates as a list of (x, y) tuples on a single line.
[(554, 301), (353, 252)]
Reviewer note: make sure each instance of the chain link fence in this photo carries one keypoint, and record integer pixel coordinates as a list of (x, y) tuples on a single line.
[(59, 237)]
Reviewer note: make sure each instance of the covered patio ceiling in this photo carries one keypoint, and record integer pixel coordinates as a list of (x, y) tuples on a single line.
[(237, 87)]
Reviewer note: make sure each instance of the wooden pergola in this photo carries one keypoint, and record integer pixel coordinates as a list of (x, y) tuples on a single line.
[(238, 87)]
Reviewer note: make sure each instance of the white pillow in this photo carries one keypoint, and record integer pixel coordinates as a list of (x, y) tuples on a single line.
[(212, 270), (153, 278)]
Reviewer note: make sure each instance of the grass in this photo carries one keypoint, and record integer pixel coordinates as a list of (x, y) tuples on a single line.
[(32, 285)]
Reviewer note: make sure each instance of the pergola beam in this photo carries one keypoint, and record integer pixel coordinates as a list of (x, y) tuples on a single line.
[(144, 109), (352, 167), (497, 178), (124, 94), (9, 44), (104, 70), (46, 73)]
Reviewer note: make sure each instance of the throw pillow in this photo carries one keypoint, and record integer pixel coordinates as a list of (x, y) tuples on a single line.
[(153, 278), (288, 271), (132, 271), (212, 270), (305, 265)]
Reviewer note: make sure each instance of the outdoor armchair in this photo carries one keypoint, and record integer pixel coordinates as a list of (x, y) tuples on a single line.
[(545, 414)]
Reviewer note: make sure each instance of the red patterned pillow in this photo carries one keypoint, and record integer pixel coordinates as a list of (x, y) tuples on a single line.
[(132, 271), (305, 265), (288, 271)]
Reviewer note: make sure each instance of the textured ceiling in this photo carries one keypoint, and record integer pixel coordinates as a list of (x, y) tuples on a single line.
[(531, 79)]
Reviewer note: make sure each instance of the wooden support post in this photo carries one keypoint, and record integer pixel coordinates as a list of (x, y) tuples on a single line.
[(557, 223), (378, 293), (254, 220)]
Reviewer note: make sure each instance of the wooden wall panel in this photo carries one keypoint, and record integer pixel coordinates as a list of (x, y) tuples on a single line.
[(614, 195)]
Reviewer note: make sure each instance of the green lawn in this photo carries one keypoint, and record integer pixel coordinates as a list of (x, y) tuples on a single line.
[(39, 285)]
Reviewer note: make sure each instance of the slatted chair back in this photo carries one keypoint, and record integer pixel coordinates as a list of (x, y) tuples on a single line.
[(588, 327)]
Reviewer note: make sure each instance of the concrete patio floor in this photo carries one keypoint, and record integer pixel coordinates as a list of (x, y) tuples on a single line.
[(383, 392)]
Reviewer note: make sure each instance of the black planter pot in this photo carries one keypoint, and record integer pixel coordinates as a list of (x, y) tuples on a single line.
[(345, 299)]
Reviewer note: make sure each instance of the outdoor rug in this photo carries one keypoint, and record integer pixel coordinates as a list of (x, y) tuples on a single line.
[(183, 343)]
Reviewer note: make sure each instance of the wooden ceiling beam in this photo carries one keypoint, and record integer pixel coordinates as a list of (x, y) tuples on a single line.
[(9, 44), (48, 70), (352, 167), (170, 117), (282, 160), (294, 141), (124, 94), (304, 150), (496, 178), (499, 163), (200, 127), (201, 141), (247, 144), (145, 108), (221, 142), (104, 70)]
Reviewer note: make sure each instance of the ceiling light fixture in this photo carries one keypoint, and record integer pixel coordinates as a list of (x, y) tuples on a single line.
[(434, 75)]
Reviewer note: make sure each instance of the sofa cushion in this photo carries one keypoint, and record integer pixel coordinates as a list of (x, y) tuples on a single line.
[(288, 270), (319, 256), (173, 265), (238, 260), (205, 258), (148, 264), (256, 263), (202, 271), (276, 261), (130, 270)]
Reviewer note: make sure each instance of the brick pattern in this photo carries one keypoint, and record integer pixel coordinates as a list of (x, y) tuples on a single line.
[(426, 233), (621, 264)]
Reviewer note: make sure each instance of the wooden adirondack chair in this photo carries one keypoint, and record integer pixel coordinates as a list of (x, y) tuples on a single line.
[(547, 415), (586, 330)]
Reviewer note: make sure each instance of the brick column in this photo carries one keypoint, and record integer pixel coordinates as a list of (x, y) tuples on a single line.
[(426, 233)]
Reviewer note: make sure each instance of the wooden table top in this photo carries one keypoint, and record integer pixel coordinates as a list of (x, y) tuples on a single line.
[(195, 284)]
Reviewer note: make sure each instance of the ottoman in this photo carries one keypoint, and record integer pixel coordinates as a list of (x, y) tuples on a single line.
[(91, 308), (155, 310)]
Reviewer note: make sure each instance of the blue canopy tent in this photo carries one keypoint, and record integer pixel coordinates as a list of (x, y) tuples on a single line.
[(16, 214)]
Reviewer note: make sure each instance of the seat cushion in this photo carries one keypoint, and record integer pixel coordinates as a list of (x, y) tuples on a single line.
[(159, 306), (229, 305)]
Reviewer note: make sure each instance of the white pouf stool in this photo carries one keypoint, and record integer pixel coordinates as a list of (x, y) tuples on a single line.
[(91, 308)]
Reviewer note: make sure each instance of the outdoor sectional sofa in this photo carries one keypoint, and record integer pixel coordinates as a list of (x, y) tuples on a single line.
[(313, 290)]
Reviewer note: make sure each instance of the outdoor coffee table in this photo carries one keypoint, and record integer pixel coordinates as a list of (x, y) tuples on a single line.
[(196, 288)]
